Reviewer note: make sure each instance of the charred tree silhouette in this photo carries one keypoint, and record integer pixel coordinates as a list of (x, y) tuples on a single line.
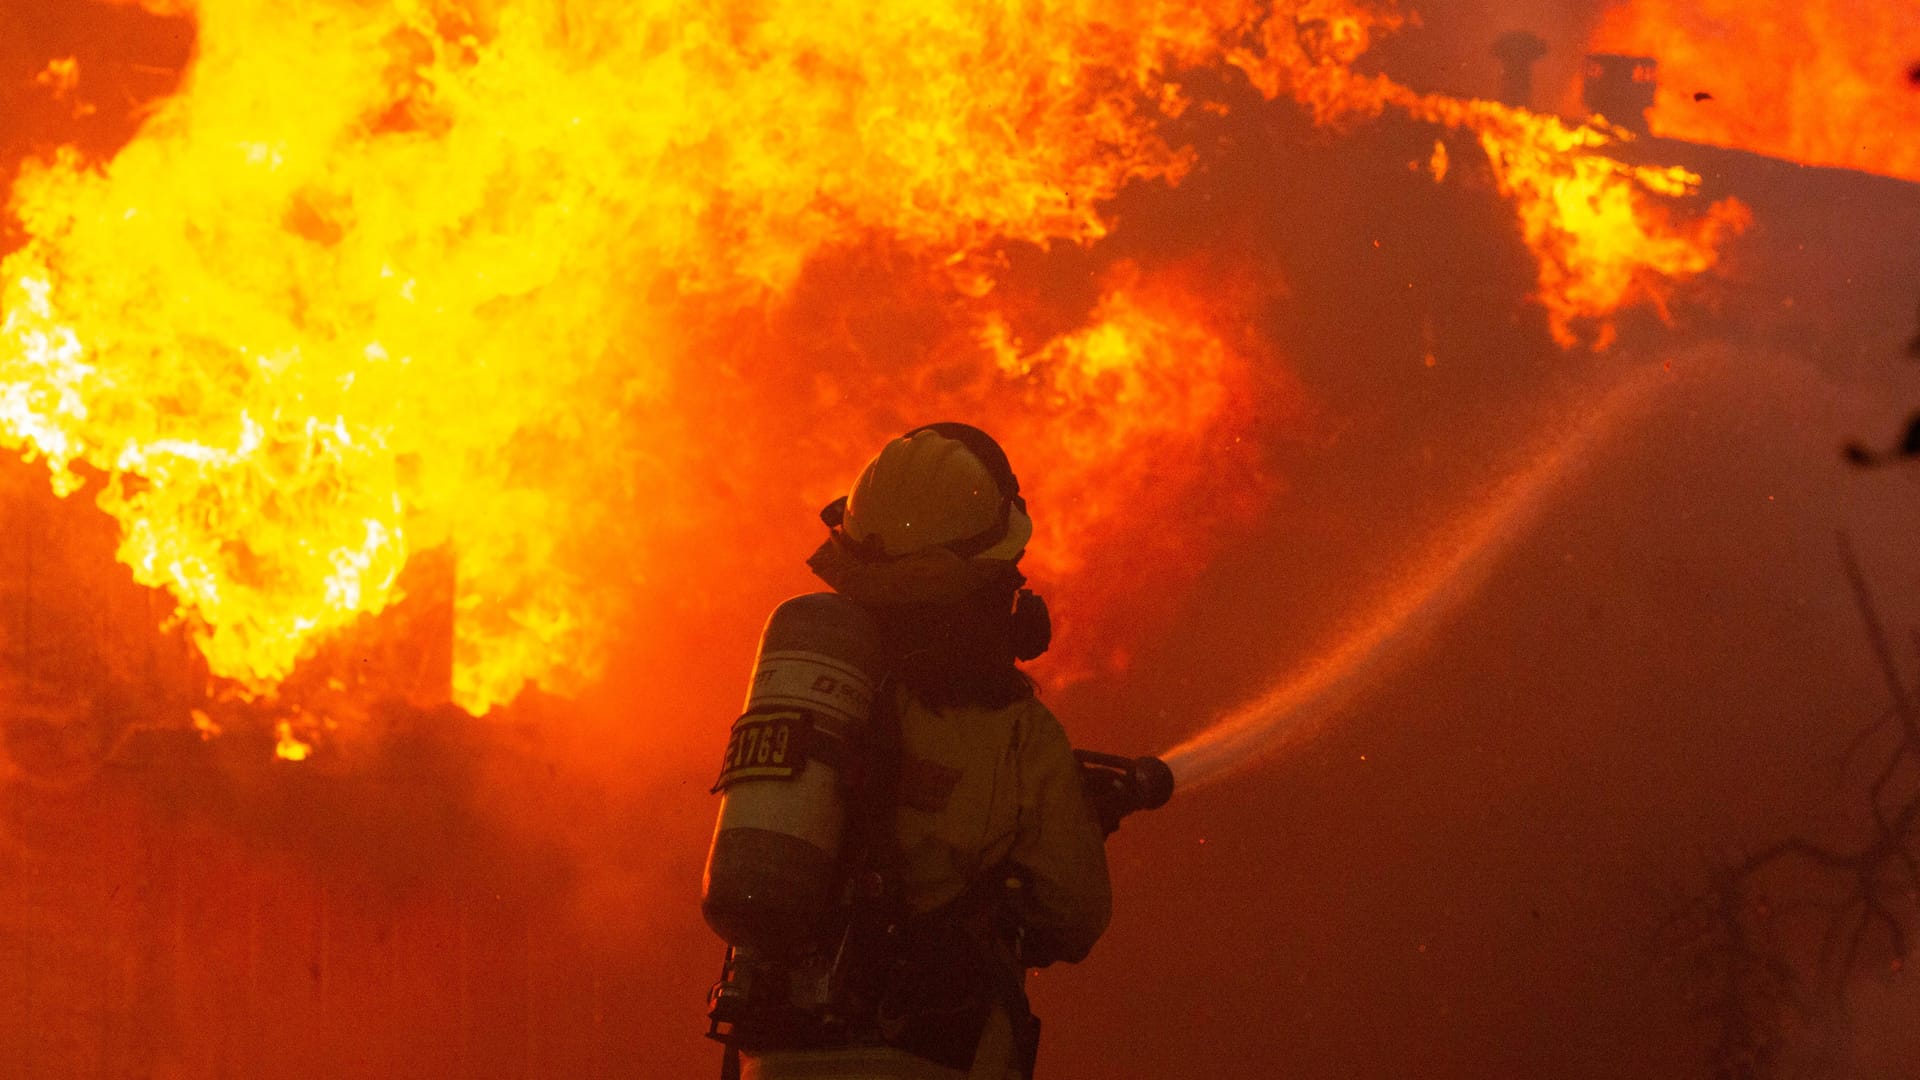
[(1780, 935)]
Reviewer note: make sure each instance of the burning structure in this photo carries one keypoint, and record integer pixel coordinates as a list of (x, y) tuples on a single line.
[(427, 390)]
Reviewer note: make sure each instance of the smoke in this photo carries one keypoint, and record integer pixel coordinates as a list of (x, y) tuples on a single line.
[(1428, 592), (1451, 48)]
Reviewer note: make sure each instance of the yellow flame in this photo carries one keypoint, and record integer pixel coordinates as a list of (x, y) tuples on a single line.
[(385, 278), (306, 331), (1605, 233), (1591, 221), (289, 747)]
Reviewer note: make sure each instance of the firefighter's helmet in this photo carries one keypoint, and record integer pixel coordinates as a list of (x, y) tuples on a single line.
[(942, 485)]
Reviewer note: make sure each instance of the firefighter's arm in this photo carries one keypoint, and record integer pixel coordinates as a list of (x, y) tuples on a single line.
[(1059, 848)]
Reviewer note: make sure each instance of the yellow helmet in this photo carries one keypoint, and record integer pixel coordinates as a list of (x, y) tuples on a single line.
[(943, 485)]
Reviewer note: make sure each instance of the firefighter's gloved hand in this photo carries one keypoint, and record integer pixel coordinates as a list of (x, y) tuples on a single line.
[(1109, 794), (1117, 786)]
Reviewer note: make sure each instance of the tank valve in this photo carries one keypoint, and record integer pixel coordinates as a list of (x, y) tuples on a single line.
[(1117, 786)]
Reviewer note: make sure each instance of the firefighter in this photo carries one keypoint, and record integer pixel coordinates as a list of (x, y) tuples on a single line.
[(993, 860)]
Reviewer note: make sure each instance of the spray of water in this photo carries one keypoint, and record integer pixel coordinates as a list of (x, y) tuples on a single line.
[(1429, 591)]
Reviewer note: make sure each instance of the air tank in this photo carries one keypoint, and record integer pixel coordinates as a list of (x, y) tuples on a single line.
[(772, 872)]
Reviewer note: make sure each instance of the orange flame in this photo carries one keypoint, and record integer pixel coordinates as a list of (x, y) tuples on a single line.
[(1601, 239), (441, 275), (1816, 81), (1597, 227), (1142, 417)]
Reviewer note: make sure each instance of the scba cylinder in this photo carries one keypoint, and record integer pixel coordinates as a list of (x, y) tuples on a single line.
[(770, 877)]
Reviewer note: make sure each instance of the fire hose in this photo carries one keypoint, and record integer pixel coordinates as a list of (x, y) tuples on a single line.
[(1117, 786)]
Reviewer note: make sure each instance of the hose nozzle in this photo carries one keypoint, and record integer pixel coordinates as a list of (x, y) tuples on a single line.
[(1117, 786)]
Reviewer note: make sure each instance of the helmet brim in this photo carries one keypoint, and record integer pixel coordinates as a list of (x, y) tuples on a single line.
[(1019, 532)]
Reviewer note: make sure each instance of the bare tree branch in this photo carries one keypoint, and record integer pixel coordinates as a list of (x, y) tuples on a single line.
[(1778, 1016), (1859, 740), (1902, 705)]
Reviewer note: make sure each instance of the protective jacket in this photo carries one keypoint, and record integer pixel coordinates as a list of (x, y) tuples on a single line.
[(994, 844), (984, 788)]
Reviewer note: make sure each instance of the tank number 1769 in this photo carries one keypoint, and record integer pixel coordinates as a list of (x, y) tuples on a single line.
[(764, 746)]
